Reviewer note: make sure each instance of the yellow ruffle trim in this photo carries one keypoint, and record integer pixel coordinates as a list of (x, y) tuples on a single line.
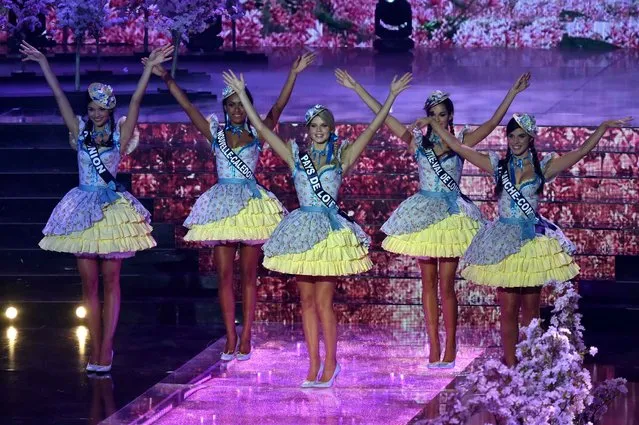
[(540, 261), (121, 229), (448, 238), (340, 254), (255, 222)]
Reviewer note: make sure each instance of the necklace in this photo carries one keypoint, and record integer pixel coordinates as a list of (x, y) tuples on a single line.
[(235, 129), (519, 161), (101, 136)]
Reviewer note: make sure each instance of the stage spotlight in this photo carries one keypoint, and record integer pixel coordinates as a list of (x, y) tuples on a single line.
[(393, 26), (12, 334), (81, 312), (82, 333), (11, 313)]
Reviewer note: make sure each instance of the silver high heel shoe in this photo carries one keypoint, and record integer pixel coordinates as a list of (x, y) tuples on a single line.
[(310, 384), (330, 382)]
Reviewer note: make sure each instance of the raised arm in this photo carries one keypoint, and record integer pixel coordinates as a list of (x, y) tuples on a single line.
[(157, 56), (350, 155), (194, 114), (300, 64), (563, 162), (479, 159), (32, 54), (278, 145), (481, 132), (398, 129)]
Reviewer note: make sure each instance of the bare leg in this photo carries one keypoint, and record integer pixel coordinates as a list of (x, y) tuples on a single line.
[(447, 270), (224, 256), (111, 310), (310, 324), (249, 259), (324, 291), (509, 302), (531, 299), (429, 300), (88, 269)]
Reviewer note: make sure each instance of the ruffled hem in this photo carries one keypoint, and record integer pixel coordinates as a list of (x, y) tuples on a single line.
[(339, 254), (79, 210), (255, 223), (540, 261), (224, 201), (447, 238), (121, 230)]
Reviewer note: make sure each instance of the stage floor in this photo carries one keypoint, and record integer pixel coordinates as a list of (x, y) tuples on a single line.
[(384, 380), (572, 88)]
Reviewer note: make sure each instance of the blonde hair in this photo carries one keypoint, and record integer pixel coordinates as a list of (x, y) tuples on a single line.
[(327, 117)]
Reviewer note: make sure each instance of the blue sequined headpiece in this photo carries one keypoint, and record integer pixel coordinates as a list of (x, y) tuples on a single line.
[(435, 98), (527, 123), (227, 92), (102, 94), (313, 112)]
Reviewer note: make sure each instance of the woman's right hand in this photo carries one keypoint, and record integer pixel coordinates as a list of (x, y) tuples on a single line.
[(399, 85), (231, 80), (345, 79), (32, 54)]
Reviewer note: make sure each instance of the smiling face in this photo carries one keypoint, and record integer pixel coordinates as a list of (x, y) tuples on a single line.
[(319, 130), (233, 107), (519, 141), (98, 114), (440, 114)]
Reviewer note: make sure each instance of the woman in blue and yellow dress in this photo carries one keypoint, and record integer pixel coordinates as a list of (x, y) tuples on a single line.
[(236, 213), (436, 224), (317, 242), (520, 251), (98, 221)]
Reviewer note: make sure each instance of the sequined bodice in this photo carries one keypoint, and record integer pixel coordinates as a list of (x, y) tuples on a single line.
[(110, 158), (250, 154), (428, 180), (528, 188), (330, 177)]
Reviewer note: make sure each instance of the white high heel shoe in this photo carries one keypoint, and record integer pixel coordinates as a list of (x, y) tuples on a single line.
[(311, 384), (330, 382), (91, 367), (227, 357), (241, 357), (105, 368)]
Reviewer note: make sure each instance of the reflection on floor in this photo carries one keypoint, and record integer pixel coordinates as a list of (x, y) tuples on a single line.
[(384, 380)]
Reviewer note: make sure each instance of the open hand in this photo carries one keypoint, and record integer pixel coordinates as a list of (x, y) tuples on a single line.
[(158, 70), (302, 62), (616, 123), (521, 84), (231, 80), (160, 55), (31, 53), (399, 85), (345, 79)]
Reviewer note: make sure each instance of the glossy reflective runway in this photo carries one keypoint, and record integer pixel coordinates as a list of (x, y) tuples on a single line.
[(384, 380)]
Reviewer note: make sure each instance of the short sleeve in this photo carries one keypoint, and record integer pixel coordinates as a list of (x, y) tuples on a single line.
[(133, 142), (463, 133), (545, 161), (494, 161), (295, 150), (214, 127), (73, 141)]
